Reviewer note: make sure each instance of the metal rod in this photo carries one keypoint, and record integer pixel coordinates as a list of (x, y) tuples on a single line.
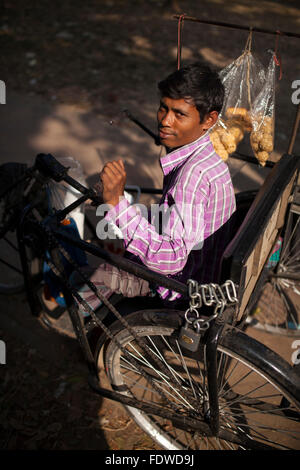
[(248, 159), (61, 214), (294, 132), (142, 126), (235, 26), (125, 264), (294, 277), (2, 261)]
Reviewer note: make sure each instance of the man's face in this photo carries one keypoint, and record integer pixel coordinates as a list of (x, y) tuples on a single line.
[(178, 123)]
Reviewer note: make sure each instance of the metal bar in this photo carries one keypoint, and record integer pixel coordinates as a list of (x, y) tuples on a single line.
[(10, 266), (248, 159), (294, 277), (125, 264), (142, 126), (30, 292), (212, 375), (74, 314), (235, 26), (151, 190), (294, 131), (61, 214)]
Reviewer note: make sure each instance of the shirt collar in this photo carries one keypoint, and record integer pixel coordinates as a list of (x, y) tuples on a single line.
[(178, 156)]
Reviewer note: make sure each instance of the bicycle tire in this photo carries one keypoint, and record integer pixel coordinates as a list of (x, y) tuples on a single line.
[(252, 376), (12, 201), (277, 310), (11, 276)]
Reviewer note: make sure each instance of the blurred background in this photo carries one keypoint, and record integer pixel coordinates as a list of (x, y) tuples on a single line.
[(72, 67)]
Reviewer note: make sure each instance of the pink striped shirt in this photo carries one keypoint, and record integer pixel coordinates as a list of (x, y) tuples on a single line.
[(198, 198)]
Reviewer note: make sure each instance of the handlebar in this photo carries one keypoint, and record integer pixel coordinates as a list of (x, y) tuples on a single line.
[(51, 168)]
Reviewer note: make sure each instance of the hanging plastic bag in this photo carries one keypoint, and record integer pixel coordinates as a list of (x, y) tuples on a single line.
[(243, 80), (263, 117)]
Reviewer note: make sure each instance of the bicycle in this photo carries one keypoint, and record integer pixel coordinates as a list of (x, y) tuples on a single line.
[(191, 378)]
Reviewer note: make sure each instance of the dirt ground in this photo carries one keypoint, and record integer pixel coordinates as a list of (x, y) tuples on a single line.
[(100, 57)]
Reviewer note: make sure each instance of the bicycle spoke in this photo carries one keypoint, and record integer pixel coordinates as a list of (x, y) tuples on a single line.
[(186, 370), (162, 376), (288, 242)]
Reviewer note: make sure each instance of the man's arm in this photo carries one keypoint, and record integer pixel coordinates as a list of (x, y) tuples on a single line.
[(166, 252)]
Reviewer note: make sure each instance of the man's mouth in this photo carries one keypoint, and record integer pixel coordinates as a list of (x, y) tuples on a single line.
[(165, 135)]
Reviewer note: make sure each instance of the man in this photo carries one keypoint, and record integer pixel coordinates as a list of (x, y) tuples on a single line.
[(198, 195)]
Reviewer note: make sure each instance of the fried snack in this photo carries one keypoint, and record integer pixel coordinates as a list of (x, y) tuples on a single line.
[(262, 139), (218, 146), (225, 138), (228, 140), (236, 130), (241, 116)]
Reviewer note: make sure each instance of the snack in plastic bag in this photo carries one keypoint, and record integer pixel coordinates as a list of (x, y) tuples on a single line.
[(243, 80), (262, 116), (240, 116)]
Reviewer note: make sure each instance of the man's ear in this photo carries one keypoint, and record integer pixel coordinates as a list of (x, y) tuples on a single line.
[(210, 120)]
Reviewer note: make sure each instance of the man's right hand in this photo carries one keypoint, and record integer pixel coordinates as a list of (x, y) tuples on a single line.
[(113, 177)]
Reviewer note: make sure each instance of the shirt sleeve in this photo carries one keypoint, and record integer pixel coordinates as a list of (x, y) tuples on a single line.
[(164, 251)]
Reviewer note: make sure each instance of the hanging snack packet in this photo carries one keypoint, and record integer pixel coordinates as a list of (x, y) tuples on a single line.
[(263, 117), (243, 80)]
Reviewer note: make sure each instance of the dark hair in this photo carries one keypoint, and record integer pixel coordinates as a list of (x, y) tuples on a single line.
[(197, 83)]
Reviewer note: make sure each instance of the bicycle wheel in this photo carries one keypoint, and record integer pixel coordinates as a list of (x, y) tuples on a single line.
[(13, 182), (278, 308), (11, 278), (257, 407)]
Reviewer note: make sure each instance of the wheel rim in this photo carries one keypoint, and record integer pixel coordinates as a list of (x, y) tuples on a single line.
[(249, 403), (11, 277), (278, 309)]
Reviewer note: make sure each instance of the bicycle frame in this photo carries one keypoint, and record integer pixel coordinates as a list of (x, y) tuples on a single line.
[(211, 341), (211, 338)]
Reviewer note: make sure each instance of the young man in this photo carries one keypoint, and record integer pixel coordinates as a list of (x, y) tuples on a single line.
[(198, 196)]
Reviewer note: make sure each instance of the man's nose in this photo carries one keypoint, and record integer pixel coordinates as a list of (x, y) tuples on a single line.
[(166, 120)]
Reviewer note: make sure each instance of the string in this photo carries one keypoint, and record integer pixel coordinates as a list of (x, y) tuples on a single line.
[(277, 58), (179, 39), (248, 52), (249, 41)]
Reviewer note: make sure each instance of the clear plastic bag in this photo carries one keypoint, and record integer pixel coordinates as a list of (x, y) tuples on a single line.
[(263, 117), (243, 80), (62, 195)]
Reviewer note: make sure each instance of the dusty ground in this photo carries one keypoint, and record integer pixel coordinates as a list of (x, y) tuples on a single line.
[(45, 401), (70, 69)]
